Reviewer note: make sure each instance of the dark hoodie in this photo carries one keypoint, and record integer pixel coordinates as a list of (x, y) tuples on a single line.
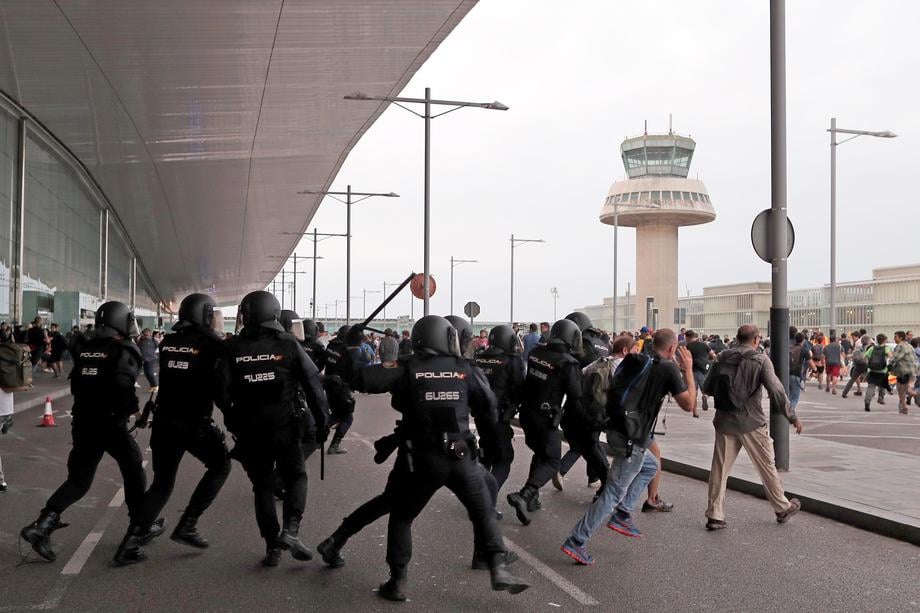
[(751, 372)]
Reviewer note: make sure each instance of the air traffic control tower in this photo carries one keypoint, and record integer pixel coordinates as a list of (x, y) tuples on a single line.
[(656, 199)]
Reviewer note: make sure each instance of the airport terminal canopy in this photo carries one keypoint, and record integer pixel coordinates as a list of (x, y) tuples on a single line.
[(200, 121), (657, 154)]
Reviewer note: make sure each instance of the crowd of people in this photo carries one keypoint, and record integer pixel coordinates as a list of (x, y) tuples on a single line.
[(284, 385)]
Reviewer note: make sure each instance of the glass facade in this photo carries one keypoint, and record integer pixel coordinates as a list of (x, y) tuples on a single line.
[(9, 142), (72, 260)]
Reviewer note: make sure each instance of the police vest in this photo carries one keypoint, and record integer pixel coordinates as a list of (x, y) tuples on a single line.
[(593, 348), (543, 384), (103, 377), (315, 350), (187, 360), (438, 397), (262, 387), (495, 367)]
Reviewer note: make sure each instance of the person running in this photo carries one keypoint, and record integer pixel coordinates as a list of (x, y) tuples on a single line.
[(817, 356), (703, 355), (833, 362), (737, 382), (903, 365), (877, 377), (799, 360), (858, 365)]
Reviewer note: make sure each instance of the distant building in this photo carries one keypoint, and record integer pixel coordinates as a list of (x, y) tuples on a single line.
[(889, 302)]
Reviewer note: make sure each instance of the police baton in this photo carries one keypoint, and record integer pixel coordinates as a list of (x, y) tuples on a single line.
[(383, 305)]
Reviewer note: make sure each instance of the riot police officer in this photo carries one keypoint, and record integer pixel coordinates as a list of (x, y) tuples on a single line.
[(344, 359), (582, 427), (183, 421), (436, 391), (315, 349), (258, 381), (102, 383), (503, 367), (553, 375)]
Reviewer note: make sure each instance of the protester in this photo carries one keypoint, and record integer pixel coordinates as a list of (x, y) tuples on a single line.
[(833, 362), (702, 355), (903, 365), (531, 340), (877, 377), (799, 360), (737, 381)]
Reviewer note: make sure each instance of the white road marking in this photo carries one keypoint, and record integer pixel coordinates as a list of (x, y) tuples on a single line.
[(909, 438), (861, 423), (555, 578)]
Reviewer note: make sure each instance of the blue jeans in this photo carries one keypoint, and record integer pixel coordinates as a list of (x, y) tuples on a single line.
[(795, 390), (640, 483), (623, 471)]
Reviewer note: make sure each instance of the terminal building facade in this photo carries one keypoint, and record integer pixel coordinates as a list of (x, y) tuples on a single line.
[(889, 301)]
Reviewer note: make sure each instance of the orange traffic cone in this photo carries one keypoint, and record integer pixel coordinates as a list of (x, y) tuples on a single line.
[(48, 417)]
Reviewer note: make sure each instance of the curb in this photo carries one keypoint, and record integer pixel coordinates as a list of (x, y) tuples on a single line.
[(825, 508)]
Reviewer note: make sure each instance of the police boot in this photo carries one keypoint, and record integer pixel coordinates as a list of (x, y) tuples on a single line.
[(156, 529), (534, 503), (38, 534), (288, 540), (481, 559), (502, 579), (335, 446), (129, 551), (186, 532), (272, 554), (331, 552), (395, 588), (521, 501)]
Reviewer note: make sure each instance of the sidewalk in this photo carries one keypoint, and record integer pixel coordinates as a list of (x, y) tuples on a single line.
[(870, 488), (43, 385)]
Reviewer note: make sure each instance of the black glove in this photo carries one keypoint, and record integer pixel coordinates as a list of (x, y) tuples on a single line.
[(385, 446)]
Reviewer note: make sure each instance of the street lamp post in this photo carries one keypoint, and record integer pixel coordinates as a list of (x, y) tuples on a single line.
[(296, 258), (834, 130), (454, 262), (314, 236), (348, 202), (515, 242), (555, 293), (385, 294), (366, 292), (427, 116)]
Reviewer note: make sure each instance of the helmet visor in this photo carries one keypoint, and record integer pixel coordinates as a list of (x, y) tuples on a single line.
[(297, 329), (217, 322), (132, 329)]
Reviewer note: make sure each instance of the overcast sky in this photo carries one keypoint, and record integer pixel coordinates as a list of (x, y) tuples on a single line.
[(581, 76)]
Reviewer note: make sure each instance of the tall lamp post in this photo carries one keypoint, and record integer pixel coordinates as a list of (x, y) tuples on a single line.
[(315, 237), (555, 294), (295, 258), (834, 130), (365, 292), (427, 116), (348, 202), (454, 262), (515, 242)]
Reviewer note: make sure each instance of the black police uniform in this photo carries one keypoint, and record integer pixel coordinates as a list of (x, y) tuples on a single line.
[(580, 426), (258, 381), (552, 374), (183, 423), (102, 383), (342, 364), (505, 373), (436, 396)]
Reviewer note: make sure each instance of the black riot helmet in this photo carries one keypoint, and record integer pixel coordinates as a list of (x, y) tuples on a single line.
[(342, 333), (567, 331), (286, 318), (310, 330), (113, 318), (504, 338), (196, 310), (465, 332), (434, 335), (581, 320), (261, 308)]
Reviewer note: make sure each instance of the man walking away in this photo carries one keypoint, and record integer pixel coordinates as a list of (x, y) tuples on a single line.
[(903, 365), (631, 468), (859, 365), (531, 340), (877, 378), (736, 381), (148, 348), (833, 361)]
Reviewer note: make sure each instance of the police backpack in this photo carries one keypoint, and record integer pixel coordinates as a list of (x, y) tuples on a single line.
[(15, 366)]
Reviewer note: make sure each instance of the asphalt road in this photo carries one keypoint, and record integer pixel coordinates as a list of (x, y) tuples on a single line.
[(844, 420), (809, 564)]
